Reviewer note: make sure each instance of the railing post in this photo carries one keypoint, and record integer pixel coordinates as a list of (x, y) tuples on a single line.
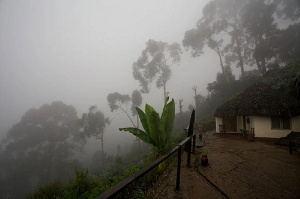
[(194, 143), (178, 168), (189, 153)]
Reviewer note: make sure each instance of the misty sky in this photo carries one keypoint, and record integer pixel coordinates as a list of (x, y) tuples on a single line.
[(80, 51)]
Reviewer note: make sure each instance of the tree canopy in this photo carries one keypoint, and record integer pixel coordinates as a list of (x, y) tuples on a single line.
[(40, 148), (248, 33), (118, 101), (154, 64), (136, 100)]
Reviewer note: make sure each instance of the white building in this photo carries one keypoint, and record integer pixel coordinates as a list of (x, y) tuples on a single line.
[(269, 112)]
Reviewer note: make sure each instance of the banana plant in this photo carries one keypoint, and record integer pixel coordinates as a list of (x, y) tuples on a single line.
[(157, 130)]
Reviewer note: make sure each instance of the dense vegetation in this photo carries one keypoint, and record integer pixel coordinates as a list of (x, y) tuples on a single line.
[(85, 185)]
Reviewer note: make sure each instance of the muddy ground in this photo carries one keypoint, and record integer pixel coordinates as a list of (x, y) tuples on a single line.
[(237, 169)]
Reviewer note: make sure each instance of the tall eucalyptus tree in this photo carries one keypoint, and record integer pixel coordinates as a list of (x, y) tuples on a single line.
[(154, 64)]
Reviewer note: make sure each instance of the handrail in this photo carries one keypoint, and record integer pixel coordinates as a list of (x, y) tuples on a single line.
[(115, 190)]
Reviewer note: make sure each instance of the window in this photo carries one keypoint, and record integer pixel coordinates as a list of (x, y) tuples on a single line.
[(275, 123), (286, 123), (280, 123)]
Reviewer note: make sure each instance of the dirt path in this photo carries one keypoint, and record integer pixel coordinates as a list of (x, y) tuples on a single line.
[(239, 169)]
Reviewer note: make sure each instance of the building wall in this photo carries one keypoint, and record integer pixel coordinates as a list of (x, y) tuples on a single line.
[(296, 124), (218, 122), (262, 127), (239, 121)]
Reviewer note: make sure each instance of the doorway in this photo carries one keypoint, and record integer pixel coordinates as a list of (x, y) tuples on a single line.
[(230, 124)]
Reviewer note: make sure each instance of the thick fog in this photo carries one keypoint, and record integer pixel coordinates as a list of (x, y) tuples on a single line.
[(64, 63), (80, 51)]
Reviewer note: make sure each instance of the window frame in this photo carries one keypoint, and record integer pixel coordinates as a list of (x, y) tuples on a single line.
[(281, 123)]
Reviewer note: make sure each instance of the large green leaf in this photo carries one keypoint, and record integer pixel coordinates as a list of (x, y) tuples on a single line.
[(153, 122), (157, 130), (167, 118), (162, 136), (140, 134), (143, 119)]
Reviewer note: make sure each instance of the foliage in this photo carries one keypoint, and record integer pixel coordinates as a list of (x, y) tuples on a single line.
[(157, 129), (176, 139), (222, 90), (204, 153), (247, 32), (54, 190), (136, 100), (288, 44), (40, 148), (116, 99), (220, 22), (284, 79), (93, 122), (153, 64), (89, 186), (82, 186)]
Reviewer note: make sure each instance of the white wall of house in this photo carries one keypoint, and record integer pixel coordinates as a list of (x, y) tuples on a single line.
[(262, 127), (218, 122), (296, 124)]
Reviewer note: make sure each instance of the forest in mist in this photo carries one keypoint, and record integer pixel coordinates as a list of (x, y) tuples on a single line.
[(73, 72)]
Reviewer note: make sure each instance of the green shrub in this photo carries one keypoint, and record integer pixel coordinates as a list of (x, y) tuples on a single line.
[(54, 190), (86, 186), (82, 186)]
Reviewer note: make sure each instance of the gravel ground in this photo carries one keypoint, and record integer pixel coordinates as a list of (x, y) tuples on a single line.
[(236, 169)]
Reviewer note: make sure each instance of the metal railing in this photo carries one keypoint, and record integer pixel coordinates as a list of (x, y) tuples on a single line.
[(115, 190)]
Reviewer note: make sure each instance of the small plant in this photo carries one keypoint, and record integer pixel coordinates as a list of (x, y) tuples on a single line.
[(204, 153), (54, 190), (82, 186), (204, 159)]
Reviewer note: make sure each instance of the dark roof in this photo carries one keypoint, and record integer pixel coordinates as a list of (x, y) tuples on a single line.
[(260, 100)]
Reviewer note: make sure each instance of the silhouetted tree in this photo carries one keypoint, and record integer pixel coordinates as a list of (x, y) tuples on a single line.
[(93, 124), (155, 63), (248, 32), (118, 101), (288, 44), (260, 31), (197, 38), (220, 20), (40, 148)]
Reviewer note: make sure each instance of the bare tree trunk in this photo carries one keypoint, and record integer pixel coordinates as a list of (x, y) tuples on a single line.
[(256, 56), (240, 55), (263, 60), (127, 115), (220, 57)]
